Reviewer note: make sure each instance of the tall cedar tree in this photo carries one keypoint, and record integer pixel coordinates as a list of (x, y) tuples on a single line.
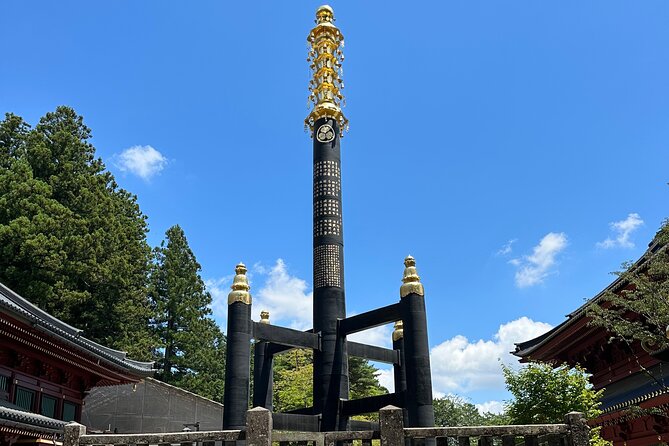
[(640, 311), (191, 352), (71, 240)]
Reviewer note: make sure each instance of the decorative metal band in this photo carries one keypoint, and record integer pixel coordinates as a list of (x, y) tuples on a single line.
[(411, 280), (327, 187), (327, 270), (398, 332), (327, 227), (326, 207), (240, 287), (325, 60), (327, 168)]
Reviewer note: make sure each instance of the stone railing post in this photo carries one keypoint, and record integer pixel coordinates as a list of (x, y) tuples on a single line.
[(72, 432), (258, 427), (391, 425), (579, 432)]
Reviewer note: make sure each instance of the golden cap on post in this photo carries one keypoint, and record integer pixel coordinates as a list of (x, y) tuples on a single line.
[(325, 60), (264, 317), (398, 331), (324, 13), (240, 287), (411, 280)]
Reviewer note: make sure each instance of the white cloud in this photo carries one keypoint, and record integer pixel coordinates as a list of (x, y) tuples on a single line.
[(381, 336), (623, 230), (507, 248), (459, 365), (534, 268), (495, 407), (387, 379), (143, 161), (284, 296)]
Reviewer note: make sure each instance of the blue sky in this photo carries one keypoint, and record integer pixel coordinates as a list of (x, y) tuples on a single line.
[(518, 150)]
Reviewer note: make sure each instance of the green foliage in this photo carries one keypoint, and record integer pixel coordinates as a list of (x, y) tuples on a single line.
[(363, 379), (640, 311), (293, 380), (453, 410), (71, 240), (191, 352), (543, 394)]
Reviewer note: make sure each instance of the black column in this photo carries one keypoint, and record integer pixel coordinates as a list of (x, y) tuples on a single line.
[(262, 375), (331, 362), (399, 370), (237, 366), (417, 360)]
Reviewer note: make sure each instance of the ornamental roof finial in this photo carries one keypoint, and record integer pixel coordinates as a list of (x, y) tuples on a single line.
[(264, 317), (325, 60), (411, 279), (240, 287), (398, 332)]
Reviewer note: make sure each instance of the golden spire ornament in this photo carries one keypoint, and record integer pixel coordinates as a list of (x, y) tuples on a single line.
[(264, 317), (325, 60), (240, 287), (398, 331), (411, 279)]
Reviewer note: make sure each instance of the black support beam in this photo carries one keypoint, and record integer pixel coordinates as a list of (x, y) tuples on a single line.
[(285, 336), (295, 422), (373, 352), (368, 404), (370, 319)]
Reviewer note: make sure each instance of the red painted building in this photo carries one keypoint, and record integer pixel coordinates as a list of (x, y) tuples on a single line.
[(46, 369), (633, 379)]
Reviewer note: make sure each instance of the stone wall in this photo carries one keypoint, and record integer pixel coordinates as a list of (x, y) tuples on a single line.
[(152, 406)]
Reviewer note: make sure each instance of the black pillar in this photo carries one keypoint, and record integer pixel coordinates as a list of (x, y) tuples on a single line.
[(262, 375), (399, 370), (417, 351), (238, 353), (331, 362)]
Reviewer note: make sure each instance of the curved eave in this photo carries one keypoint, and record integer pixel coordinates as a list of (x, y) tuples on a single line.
[(527, 348), (20, 308), (14, 417)]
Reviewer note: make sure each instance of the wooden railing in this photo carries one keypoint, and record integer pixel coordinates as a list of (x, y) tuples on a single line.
[(259, 432)]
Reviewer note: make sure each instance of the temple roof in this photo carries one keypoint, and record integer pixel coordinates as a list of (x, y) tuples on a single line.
[(526, 348), (18, 307), (15, 419)]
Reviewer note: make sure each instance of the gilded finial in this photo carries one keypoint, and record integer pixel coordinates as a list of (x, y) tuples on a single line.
[(398, 331), (240, 287), (411, 280), (324, 13), (264, 317), (325, 60)]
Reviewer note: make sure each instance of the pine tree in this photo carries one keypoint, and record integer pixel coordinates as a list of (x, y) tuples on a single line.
[(363, 378), (191, 348), (71, 240)]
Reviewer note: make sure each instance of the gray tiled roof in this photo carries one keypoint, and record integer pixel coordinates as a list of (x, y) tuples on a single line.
[(14, 416), (19, 307)]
